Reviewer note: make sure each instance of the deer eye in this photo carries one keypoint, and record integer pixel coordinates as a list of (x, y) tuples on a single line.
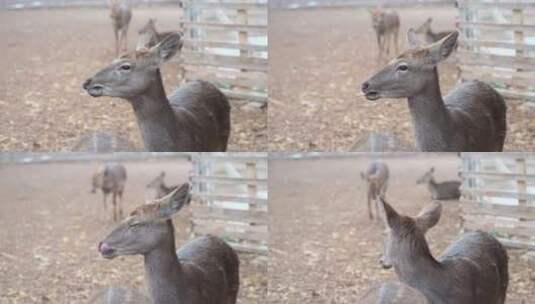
[(125, 66), (134, 224), (402, 67)]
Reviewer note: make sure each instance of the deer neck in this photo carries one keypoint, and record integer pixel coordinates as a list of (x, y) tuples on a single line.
[(431, 120), (419, 269), (156, 119), (163, 271)]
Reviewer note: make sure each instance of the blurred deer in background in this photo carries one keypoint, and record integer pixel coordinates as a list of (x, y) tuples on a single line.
[(120, 14), (386, 26), (440, 191), (149, 36), (111, 179), (158, 186), (377, 178), (427, 33)]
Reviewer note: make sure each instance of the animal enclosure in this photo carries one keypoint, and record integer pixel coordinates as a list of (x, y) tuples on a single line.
[(498, 45), (74, 43), (48, 252), (226, 43), (498, 196), (25, 4), (232, 199), (319, 59), (323, 246)]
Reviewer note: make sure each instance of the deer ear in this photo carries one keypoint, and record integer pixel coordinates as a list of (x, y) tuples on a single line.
[(413, 39), (174, 201), (429, 216), (166, 49), (389, 216), (442, 49)]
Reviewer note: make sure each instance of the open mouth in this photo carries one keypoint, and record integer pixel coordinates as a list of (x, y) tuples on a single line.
[(372, 95), (95, 90)]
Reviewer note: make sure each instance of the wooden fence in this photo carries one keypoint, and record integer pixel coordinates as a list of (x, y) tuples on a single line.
[(497, 45), (230, 198), (498, 196), (298, 4), (31, 4), (226, 43)]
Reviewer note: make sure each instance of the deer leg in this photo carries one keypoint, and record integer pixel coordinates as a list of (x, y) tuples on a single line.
[(116, 32), (114, 201), (105, 196), (396, 40), (379, 48), (121, 204), (124, 38), (387, 43), (369, 204)]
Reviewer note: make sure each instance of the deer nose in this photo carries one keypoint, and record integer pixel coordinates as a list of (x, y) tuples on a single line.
[(87, 83), (105, 249), (365, 87)]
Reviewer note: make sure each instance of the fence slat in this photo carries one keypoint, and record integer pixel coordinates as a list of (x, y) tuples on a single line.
[(227, 45)]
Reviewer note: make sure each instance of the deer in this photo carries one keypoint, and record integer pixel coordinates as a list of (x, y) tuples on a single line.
[(440, 191), (205, 270), (149, 36), (376, 177), (392, 292), (111, 179), (103, 142), (430, 36), (119, 295), (386, 26), (120, 14), (472, 117), (194, 118), (471, 270), (159, 187)]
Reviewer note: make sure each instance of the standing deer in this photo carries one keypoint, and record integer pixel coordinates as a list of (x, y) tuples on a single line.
[(440, 191), (194, 118), (393, 293), (149, 36), (386, 26), (204, 271), (111, 179), (472, 270), (377, 178), (471, 118), (430, 36), (159, 187), (120, 14)]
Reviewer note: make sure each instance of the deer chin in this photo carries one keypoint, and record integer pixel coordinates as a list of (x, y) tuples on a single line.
[(95, 90), (373, 95)]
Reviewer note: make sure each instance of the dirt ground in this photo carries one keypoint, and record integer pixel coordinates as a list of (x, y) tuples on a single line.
[(50, 225), (48, 54), (323, 247), (319, 59)]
